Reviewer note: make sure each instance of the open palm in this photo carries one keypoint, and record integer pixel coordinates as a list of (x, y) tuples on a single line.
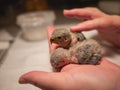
[(104, 76)]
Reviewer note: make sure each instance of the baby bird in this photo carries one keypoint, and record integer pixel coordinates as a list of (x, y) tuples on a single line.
[(74, 49), (64, 38), (59, 58), (87, 52)]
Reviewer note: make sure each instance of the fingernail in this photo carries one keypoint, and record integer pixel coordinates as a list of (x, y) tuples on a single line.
[(73, 27), (65, 10), (22, 81)]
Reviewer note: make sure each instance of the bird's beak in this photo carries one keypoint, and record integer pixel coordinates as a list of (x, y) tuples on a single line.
[(51, 40)]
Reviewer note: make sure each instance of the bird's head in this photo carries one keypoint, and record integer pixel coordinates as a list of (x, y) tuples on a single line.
[(61, 37)]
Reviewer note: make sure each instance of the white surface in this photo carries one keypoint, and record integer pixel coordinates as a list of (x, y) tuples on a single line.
[(5, 36), (4, 45), (25, 56), (21, 58)]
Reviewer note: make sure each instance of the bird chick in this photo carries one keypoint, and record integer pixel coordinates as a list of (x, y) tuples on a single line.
[(74, 49), (59, 58), (64, 38), (87, 52)]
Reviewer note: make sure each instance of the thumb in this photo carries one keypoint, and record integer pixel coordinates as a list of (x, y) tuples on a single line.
[(86, 25), (44, 80)]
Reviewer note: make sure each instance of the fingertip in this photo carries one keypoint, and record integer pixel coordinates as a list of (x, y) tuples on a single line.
[(22, 79), (45, 80), (68, 13), (25, 78), (75, 29), (65, 10)]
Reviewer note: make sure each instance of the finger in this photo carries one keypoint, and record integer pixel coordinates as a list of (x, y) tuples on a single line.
[(78, 13), (86, 25), (44, 80), (50, 30)]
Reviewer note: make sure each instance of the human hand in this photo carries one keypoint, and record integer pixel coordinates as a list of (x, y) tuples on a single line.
[(107, 25), (105, 76)]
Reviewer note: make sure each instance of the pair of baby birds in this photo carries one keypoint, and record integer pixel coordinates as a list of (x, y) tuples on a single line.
[(74, 48)]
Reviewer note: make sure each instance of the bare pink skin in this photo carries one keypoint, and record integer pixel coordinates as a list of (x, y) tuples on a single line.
[(105, 76), (52, 46)]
